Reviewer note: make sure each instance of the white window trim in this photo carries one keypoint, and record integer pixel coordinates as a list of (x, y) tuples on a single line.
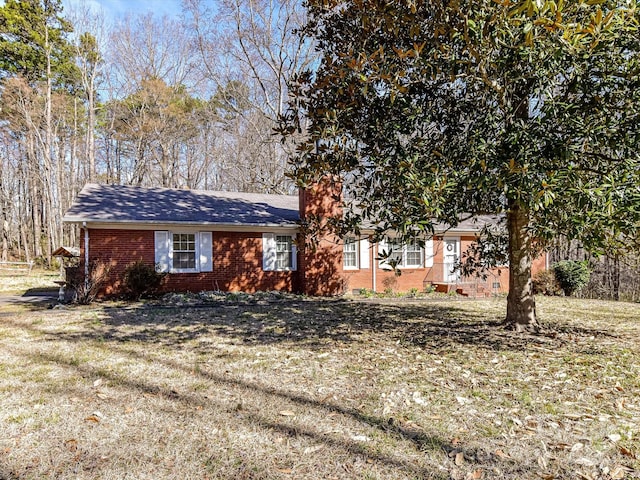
[(196, 239), (405, 253), (356, 242), (168, 248), (385, 245), (269, 262), (290, 253)]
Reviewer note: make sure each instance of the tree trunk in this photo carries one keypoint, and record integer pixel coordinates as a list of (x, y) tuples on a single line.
[(521, 306), (616, 277), (4, 240), (91, 129)]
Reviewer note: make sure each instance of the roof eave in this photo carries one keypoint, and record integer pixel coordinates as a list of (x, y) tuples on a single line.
[(102, 221)]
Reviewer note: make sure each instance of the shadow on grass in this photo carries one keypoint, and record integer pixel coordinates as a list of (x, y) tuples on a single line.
[(7, 474), (315, 323), (321, 323), (251, 415), (32, 299), (310, 323)]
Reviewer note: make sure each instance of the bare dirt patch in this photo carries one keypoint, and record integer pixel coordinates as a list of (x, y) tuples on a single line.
[(288, 387)]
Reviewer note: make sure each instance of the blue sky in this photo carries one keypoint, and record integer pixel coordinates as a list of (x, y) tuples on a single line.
[(116, 9)]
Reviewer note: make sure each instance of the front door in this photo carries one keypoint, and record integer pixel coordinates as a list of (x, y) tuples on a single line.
[(451, 258)]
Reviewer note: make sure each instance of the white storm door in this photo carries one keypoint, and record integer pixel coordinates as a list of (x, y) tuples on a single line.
[(451, 257)]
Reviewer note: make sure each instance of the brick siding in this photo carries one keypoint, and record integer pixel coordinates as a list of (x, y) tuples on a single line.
[(236, 259), (413, 277)]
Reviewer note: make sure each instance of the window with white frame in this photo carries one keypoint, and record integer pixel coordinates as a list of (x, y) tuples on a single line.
[(350, 253), (284, 250), (413, 254), (278, 252), (183, 252), (396, 250), (401, 255)]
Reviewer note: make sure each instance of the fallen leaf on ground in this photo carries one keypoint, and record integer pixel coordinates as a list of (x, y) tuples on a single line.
[(475, 475), (459, 458), (310, 450), (626, 452), (618, 472), (71, 444), (501, 454), (92, 418), (584, 476)]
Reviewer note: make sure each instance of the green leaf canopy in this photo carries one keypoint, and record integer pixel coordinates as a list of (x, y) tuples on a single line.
[(430, 110)]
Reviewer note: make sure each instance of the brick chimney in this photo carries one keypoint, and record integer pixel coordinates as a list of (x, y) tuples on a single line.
[(321, 199), (320, 266)]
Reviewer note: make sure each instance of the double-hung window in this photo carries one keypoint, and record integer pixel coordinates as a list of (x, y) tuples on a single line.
[(396, 250), (413, 254), (278, 252), (183, 252), (350, 253), (284, 251), (401, 255)]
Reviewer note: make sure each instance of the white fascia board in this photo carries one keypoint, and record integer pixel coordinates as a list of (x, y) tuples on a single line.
[(216, 227)]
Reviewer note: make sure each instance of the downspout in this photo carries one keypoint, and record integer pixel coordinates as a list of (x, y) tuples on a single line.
[(374, 266), (86, 255)]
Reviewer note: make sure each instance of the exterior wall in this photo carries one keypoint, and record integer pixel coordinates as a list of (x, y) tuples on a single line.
[(320, 264), (419, 278), (236, 259), (539, 264), (320, 268), (237, 266)]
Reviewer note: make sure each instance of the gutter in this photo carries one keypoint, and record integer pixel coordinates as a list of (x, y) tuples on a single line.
[(86, 255), (155, 223)]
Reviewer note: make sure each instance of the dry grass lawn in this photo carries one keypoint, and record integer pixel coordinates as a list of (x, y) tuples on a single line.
[(269, 387), (19, 282)]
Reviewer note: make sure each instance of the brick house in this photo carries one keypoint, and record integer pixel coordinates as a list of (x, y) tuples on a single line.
[(229, 241)]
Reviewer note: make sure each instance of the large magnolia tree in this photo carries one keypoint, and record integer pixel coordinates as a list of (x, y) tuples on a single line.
[(432, 110)]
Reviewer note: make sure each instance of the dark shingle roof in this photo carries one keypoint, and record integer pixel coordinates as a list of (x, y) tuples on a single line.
[(137, 205), (472, 224), (124, 204)]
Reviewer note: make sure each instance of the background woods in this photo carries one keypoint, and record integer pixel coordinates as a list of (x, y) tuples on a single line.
[(187, 103), (192, 102)]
